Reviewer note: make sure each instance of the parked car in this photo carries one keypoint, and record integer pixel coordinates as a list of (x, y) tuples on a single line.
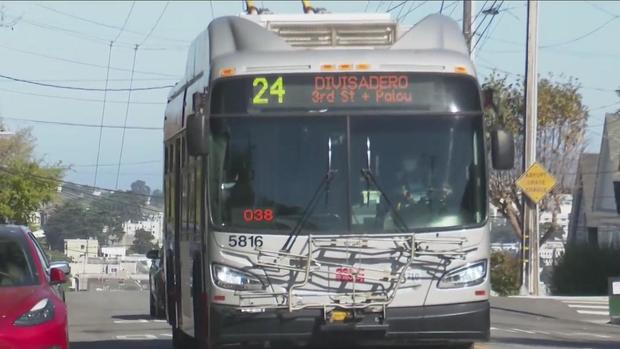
[(32, 311), (157, 284)]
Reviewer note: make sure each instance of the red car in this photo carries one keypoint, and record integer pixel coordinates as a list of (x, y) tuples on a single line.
[(32, 313)]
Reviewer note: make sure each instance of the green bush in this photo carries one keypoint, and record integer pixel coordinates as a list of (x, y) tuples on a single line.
[(583, 271), (505, 270)]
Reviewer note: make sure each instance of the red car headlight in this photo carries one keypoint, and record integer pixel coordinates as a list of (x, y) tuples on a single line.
[(40, 313)]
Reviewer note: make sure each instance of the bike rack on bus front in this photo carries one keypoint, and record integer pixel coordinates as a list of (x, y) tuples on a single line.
[(316, 264)]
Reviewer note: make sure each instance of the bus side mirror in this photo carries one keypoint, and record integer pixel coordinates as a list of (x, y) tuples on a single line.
[(502, 150), (197, 135)]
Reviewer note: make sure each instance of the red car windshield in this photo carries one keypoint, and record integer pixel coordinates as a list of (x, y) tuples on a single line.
[(16, 268)]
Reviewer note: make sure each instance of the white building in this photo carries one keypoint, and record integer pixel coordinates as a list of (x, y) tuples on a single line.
[(113, 251), (154, 223), (76, 249)]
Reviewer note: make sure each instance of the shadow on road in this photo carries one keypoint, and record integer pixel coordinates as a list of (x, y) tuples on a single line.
[(559, 343), (126, 344)]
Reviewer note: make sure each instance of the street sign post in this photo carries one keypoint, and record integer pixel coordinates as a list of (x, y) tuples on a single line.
[(536, 182)]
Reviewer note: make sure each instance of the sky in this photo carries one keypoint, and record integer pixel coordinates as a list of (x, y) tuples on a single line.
[(68, 44)]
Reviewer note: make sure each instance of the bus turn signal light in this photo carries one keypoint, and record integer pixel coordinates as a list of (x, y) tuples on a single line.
[(460, 69), (227, 72)]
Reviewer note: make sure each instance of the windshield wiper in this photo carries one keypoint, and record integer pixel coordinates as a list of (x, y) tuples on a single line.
[(370, 177), (311, 205)]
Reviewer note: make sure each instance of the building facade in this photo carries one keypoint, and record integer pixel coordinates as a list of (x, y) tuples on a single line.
[(77, 249), (595, 214)]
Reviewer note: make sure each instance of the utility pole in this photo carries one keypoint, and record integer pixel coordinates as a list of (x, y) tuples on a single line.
[(530, 215), (467, 23), (85, 258)]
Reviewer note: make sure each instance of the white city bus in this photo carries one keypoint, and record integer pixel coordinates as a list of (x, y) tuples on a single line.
[(326, 175)]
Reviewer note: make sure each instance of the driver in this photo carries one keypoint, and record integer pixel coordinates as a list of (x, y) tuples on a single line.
[(410, 181)]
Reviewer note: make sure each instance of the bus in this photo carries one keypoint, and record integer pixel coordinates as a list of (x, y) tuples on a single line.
[(326, 178)]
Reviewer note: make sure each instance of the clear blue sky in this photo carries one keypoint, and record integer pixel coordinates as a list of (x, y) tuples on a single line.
[(45, 45)]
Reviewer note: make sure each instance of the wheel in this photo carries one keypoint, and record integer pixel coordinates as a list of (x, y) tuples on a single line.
[(153, 307)]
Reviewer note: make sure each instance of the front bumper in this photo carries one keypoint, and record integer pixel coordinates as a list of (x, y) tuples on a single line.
[(452, 322)]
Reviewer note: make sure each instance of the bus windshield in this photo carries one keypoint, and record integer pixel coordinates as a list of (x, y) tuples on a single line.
[(411, 161), (263, 172)]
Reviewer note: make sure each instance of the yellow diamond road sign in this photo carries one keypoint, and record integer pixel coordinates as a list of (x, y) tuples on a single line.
[(536, 182)]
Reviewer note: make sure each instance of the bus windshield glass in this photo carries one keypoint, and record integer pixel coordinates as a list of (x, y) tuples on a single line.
[(267, 170)]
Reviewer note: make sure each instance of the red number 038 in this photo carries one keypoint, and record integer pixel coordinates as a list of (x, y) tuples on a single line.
[(258, 215)]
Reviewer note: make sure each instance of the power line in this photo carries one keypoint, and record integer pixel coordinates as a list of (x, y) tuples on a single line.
[(583, 36), (109, 26), (76, 187), (148, 88), (77, 98), (491, 10), (163, 11), (67, 60), (124, 164), (406, 14), (120, 156), (82, 125), (105, 95), (122, 28), (441, 8)]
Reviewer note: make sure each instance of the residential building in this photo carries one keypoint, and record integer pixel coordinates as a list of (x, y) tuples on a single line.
[(113, 251), (154, 223), (76, 249), (595, 218)]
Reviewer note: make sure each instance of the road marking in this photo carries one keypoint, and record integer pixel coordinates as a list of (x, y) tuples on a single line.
[(166, 335), (136, 337), (138, 321), (588, 306), (523, 331), (586, 302), (478, 346), (582, 334), (590, 312)]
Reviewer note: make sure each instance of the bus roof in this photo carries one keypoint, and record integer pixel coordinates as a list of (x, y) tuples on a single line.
[(260, 44)]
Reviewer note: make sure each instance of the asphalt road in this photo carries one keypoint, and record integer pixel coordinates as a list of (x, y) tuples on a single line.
[(119, 320)]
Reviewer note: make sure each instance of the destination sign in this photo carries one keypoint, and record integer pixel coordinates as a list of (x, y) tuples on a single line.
[(345, 91)]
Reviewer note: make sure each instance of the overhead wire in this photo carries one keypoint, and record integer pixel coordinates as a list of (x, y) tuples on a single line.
[(75, 124), (105, 95), (120, 156), (161, 15), (78, 99), (73, 61), (133, 66), (109, 26), (481, 36), (147, 88)]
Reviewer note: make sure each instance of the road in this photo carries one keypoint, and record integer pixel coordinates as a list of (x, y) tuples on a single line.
[(119, 320)]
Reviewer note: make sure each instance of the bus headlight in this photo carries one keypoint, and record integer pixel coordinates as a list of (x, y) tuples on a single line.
[(235, 279), (470, 275)]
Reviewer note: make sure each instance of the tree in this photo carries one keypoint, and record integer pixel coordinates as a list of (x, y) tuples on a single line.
[(100, 217), (142, 242), (561, 128), (25, 183), (157, 198), (139, 187)]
